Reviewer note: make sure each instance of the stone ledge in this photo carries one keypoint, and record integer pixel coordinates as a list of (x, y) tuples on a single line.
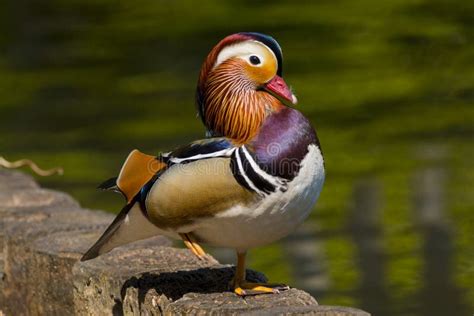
[(43, 233)]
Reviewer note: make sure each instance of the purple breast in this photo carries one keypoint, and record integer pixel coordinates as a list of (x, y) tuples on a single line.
[(283, 142)]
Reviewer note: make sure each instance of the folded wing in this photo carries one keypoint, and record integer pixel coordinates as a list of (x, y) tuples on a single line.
[(179, 181)]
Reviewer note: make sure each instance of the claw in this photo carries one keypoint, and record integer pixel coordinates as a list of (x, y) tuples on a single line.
[(249, 288)]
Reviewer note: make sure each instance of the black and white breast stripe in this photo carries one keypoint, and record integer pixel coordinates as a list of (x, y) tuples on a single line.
[(248, 173)]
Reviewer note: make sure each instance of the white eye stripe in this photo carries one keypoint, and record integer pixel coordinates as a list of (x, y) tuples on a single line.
[(244, 50)]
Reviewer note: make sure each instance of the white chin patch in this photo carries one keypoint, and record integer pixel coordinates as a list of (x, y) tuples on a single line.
[(294, 99)]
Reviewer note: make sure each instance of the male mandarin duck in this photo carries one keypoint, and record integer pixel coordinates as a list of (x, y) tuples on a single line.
[(251, 182)]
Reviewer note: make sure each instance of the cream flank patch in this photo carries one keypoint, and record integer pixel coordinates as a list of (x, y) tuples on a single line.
[(185, 193)]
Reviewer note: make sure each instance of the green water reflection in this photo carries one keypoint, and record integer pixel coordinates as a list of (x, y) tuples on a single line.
[(388, 84)]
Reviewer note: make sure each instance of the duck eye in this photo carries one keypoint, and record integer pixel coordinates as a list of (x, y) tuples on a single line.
[(254, 60)]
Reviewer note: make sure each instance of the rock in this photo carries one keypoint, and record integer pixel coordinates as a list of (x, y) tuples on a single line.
[(50, 268), (228, 303), (156, 291), (25, 270), (44, 233), (320, 310), (14, 180), (101, 284)]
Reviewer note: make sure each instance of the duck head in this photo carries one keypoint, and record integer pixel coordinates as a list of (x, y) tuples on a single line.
[(240, 83)]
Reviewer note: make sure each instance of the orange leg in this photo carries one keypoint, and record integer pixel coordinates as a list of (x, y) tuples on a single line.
[(244, 288), (191, 243)]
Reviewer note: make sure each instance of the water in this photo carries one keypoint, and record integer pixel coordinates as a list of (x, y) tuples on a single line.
[(389, 86)]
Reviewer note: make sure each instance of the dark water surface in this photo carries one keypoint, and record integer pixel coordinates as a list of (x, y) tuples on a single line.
[(388, 84)]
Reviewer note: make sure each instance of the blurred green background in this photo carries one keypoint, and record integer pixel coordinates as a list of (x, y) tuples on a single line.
[(388, 84)]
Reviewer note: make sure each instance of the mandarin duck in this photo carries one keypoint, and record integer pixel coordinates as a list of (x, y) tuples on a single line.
[(254, 178)]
